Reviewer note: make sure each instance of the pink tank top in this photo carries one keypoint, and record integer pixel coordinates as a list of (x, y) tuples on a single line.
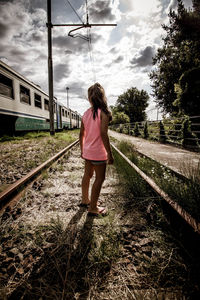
[(93, 147)]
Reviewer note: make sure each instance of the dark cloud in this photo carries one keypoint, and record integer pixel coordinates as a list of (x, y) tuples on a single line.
[(61, 71), (36, 37), (68, 52), (17, 53), (75, 44), (100, 11), (72, 44), (144, 58), (77, 89), (118, 59), (113, 50), (3, 30)]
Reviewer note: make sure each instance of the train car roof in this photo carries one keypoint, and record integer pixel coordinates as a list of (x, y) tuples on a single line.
[(11, 70)]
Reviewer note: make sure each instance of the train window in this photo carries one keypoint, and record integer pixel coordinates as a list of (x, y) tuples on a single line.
[(38, 101), (63, 112), (54, 108), (66, 114), (46, 104), (6, 86), (25, 95)]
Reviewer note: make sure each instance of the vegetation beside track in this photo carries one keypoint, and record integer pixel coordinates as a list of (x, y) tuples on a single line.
[(21, 154), (183, 190)]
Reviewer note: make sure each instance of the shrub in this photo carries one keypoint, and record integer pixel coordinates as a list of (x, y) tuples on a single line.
[(136, 130), (188, 138), (162, 136)]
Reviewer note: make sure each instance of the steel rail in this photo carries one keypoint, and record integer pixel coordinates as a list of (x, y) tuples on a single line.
[(185, 215), (24, 180)]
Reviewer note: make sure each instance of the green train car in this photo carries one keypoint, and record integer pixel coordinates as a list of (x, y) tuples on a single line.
[(25, 107)]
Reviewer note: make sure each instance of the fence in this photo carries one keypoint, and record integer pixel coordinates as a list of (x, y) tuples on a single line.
[(184, 131)]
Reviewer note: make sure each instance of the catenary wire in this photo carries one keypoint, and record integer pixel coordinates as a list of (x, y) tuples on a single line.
[(75, 12)]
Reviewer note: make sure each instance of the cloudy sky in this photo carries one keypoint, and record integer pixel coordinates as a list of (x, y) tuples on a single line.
[(118, 57)]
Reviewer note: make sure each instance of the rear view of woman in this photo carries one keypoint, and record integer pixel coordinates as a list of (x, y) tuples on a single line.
[(95, 147)]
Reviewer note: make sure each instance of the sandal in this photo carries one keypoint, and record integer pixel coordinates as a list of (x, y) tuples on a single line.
[(102, 212)]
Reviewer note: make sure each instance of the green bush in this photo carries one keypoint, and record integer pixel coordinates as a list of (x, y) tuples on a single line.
[(188, 138), (136, 130), (162, 136)]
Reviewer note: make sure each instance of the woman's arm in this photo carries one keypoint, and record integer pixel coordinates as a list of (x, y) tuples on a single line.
[(81, 136), (104, 136)]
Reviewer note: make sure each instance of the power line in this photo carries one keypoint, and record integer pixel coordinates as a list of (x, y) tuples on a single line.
[(75, 12), (90, 43), (91, 55)]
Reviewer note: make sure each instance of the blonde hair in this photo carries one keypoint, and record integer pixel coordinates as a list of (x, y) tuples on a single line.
[(97, 97)]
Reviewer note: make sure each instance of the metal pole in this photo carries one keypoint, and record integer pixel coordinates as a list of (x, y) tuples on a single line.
[(50, 68), (67, 97), (70, 118)]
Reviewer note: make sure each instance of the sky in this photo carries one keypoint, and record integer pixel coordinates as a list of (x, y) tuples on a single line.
[(118, 57)]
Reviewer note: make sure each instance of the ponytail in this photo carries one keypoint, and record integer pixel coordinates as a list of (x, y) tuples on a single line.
[(96, 95)]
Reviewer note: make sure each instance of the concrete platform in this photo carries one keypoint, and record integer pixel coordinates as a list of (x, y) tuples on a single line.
[(182, 161)]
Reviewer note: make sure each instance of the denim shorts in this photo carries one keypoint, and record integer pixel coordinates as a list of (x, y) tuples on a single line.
[(97, 162)]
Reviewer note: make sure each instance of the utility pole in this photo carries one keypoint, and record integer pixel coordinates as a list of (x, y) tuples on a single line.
[(50, 63), (50, 69), (67, 97)]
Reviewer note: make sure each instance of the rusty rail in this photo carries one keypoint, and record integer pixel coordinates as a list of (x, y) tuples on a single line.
[(24, 180), (184, 214)]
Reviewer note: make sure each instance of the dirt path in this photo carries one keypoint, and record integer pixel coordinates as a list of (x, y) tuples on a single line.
[(80, 257), (179, 160)]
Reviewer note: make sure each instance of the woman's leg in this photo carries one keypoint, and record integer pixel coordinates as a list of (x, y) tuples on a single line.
[(100, 171), (89, 169)]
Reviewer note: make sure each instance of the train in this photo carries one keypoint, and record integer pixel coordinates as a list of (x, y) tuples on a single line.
[(24, 106)]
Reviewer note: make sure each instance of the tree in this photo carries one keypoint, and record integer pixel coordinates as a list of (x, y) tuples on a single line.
[(146, 132), (120, 118), (133, 103), (188, 92), (180, 53)]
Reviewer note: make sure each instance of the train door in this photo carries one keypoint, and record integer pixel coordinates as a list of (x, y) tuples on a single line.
[(60, 113), (59, 117)]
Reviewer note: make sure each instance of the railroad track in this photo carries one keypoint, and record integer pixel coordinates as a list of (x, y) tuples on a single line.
[(11, 192), (176, 207), (53, 198)]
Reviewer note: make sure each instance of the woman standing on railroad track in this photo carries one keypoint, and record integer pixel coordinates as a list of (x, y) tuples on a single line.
[(95, 147)]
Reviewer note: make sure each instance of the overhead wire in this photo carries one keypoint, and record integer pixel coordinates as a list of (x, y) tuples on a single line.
[(75, 12), (91, 56), (87, 38), (90, 44)]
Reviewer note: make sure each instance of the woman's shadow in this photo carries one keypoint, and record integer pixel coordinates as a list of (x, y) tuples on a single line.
[(76, 282)]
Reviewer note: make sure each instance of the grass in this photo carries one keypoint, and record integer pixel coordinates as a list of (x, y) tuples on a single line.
[(22, 154), (64, 135), (74, 260), (185, 191)]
